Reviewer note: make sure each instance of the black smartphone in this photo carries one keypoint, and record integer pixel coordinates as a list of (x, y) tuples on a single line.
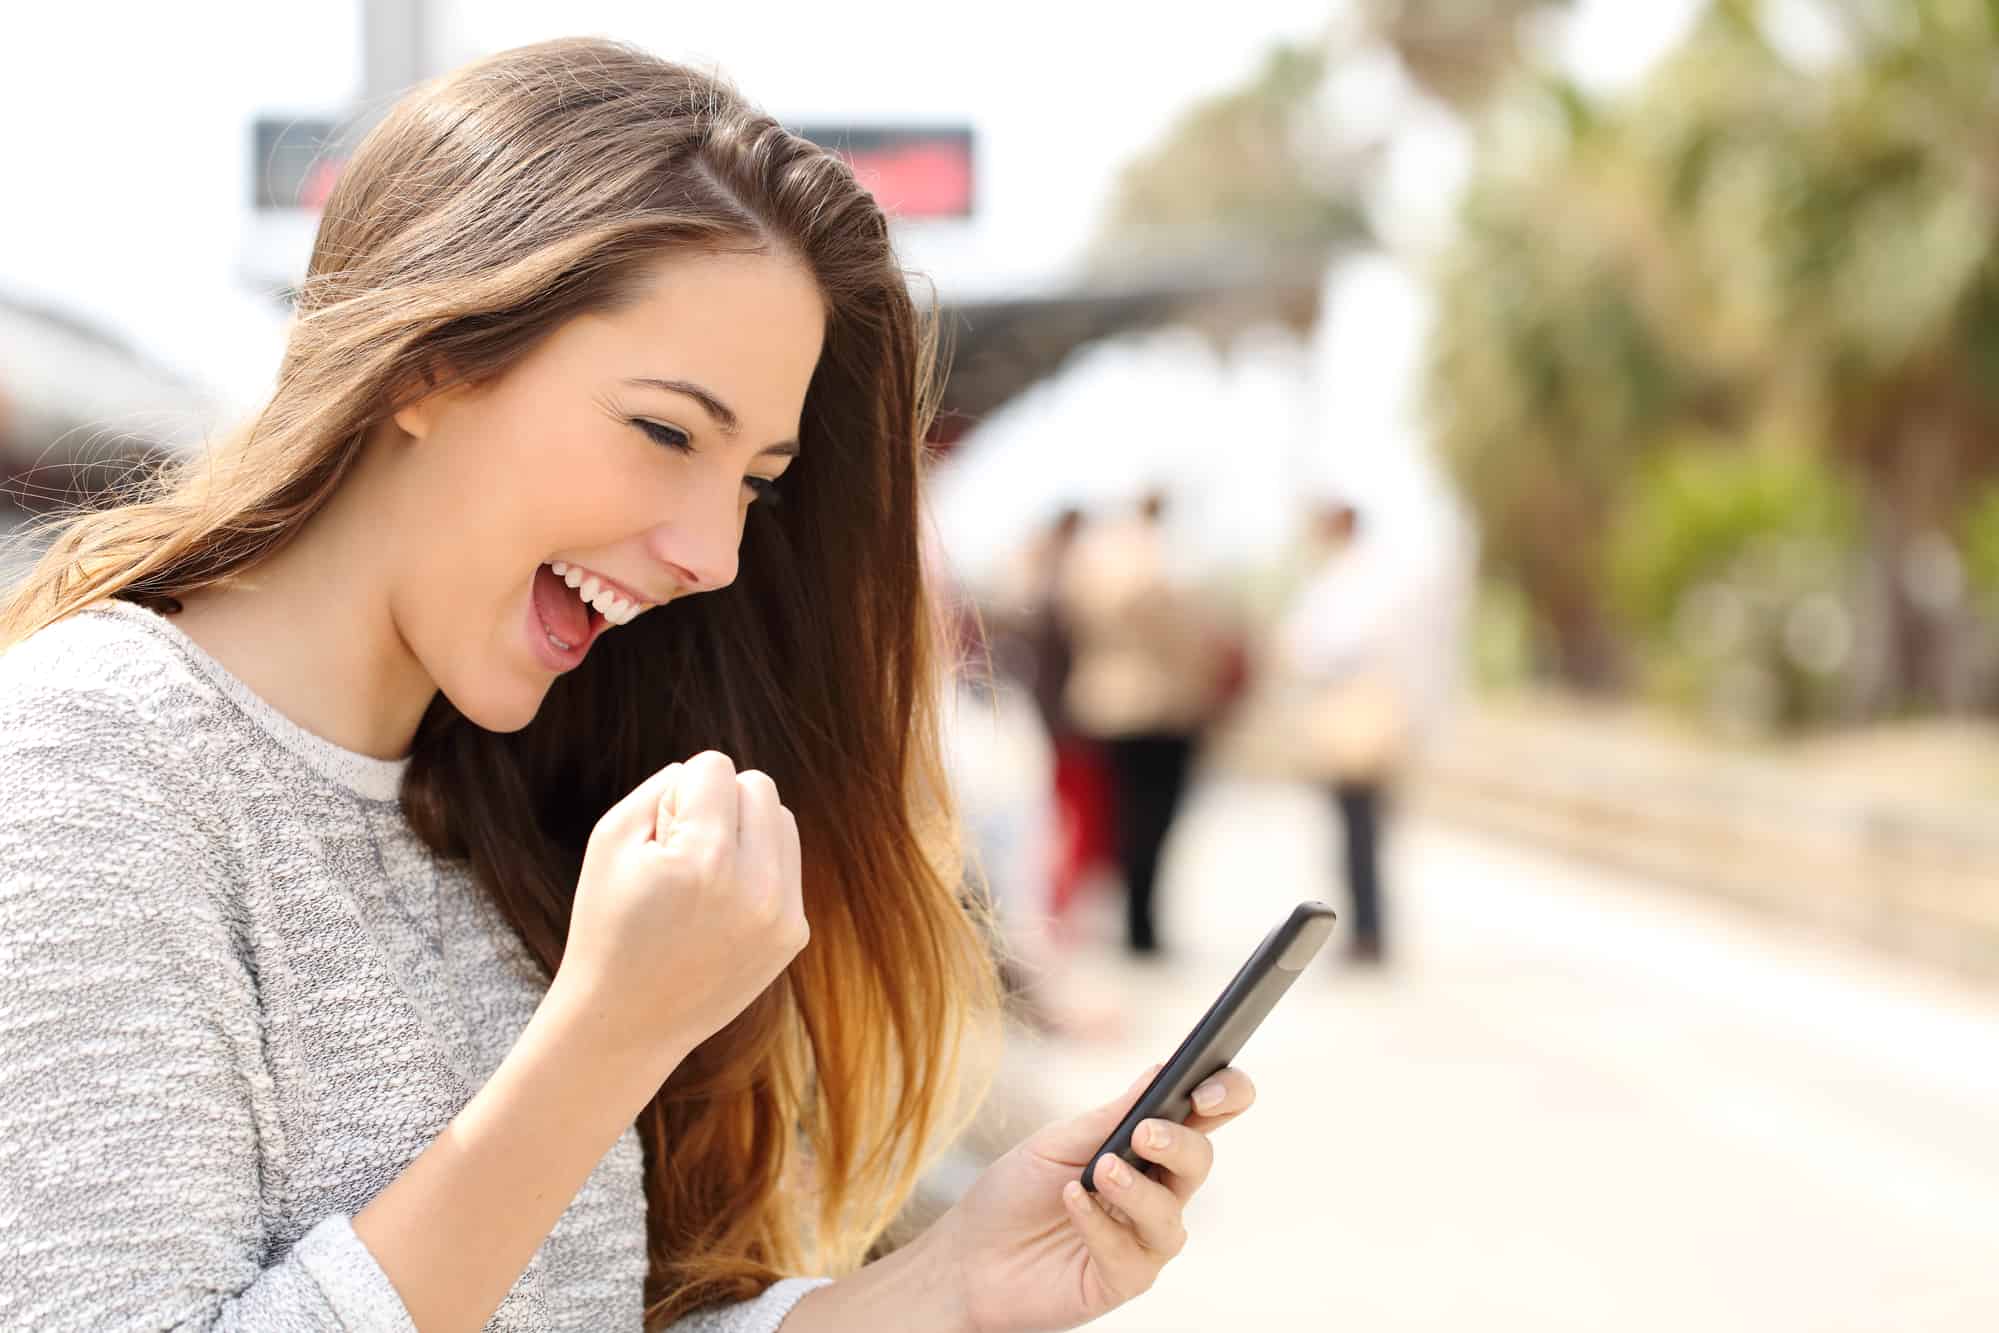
[(1243, 1004)]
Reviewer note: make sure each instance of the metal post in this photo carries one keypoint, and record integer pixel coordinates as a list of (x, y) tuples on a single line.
[(395, 50)]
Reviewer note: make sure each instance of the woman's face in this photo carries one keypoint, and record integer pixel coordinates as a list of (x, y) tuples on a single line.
[(625, 451)]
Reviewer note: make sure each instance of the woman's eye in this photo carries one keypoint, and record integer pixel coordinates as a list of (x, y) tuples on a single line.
[(669, 436), (762, 489)]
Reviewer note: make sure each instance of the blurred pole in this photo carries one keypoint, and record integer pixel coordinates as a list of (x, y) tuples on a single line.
[(395, 50)]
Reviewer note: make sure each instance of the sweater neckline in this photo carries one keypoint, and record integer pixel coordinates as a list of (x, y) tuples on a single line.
[(362, 774)]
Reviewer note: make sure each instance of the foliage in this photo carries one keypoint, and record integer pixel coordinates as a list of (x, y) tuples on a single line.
[(1981, 545), (1734, 566), (1551, 371), (1258, 164), (1460, 50), (1701, 504), (1501, 642), (1238, 165), (1743, 249)]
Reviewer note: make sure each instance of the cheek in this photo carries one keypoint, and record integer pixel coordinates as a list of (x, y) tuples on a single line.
[(548, 483)]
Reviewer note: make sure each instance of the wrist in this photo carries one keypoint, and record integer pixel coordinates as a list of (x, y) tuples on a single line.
[(937, 1268), (593, 1037), (920, 1285), (945, 1258)]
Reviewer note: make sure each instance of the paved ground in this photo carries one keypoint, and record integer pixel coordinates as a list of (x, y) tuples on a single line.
[(1575, 1103)]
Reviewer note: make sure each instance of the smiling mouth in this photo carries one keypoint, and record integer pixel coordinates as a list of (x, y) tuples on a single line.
[(573, 606)]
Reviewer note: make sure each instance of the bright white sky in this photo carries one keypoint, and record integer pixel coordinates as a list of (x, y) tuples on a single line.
[(127, 125)]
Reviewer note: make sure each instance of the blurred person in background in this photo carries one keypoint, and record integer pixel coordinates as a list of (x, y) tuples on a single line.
[(1149, 662), (1040, 650), (390, 952), (1360, 647), (999, 758)]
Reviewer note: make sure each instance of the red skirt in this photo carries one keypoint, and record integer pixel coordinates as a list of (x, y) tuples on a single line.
[(1086, 825)]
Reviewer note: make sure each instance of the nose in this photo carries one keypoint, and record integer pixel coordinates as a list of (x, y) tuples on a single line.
[(698, 546)]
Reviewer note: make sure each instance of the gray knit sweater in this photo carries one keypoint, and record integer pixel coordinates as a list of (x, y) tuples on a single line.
[(237, 997)]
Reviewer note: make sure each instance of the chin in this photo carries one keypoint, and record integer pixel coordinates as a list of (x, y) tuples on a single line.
[(498, 710)]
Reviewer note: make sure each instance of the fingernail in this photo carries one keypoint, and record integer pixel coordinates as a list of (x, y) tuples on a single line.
[(1115, 1168), (1072, 1193), (1156, 1135), (1208, 1096)]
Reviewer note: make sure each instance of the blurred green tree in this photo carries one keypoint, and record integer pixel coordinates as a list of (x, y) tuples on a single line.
[(1981, 546), (1735, 565), (1258, 171), (1461, 51), (1753, 249), (1239, 172)]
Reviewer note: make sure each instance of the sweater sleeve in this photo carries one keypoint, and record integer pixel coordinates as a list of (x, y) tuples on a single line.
[(765, 1314), (129, 1049)]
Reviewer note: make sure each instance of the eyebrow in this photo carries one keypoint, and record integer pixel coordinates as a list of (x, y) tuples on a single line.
[(725, 417)]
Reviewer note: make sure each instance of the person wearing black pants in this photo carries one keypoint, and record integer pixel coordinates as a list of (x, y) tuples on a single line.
[(1151, 777), (1360, 814), (1348, 652), (1149, 671)]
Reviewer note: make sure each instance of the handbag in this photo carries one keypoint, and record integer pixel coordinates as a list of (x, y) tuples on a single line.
[(1355, 728)]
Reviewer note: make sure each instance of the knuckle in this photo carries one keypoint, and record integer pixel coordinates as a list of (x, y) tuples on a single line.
[(714, 761), (755, 779), (769, 911), (774, 906), (760, 910)]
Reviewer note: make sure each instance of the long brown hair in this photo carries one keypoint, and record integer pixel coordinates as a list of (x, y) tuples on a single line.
[(488, 207)]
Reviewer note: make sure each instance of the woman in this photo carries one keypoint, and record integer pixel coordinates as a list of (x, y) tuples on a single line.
[(389, 953), (1145, 682)]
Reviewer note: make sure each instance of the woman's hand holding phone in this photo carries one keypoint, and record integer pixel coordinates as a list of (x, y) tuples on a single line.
[(1082, 1217), (1033, 1250)]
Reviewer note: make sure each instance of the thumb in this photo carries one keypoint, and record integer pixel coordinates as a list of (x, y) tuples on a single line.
[(634, 818), (1076, 1138)]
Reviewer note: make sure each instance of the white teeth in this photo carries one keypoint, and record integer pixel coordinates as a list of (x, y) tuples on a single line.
[(615, 607)]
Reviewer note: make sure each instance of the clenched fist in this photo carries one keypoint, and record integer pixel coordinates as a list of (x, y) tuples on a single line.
[(688, 907)]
